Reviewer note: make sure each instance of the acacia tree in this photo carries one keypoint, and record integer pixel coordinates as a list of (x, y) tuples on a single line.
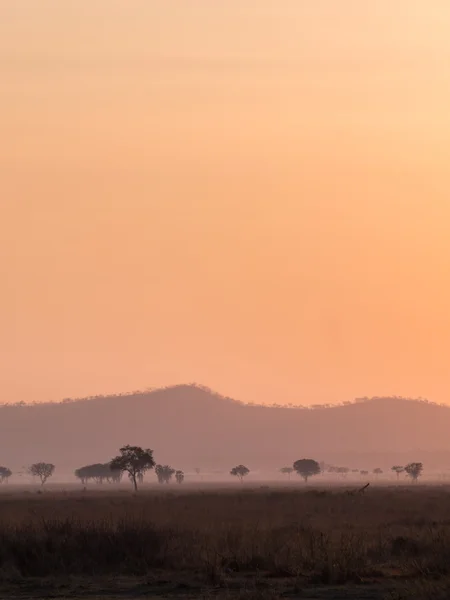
[(414, 470), (164, 473), (116, 475), (5, 474), (397, 470), (99, 472), (307, 467), (133, 460), (82, 474), (377, 471), (363, 473), (343, 471), (287, 471), (240, 472), (179, 476), (42, 470)]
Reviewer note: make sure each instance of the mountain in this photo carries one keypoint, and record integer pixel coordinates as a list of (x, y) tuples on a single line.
[(189, 426)]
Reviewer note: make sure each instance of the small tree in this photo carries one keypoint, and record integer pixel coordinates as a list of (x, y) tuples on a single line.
[(99, 472), (5, 474), (179, 476), (377, 471), (343, 471), (42, 470), (414, 470), (363, 473), (287, 471), (164, 473), (82, 474), (133, 460), (397, 470), (116, 475), (307, 467), (240, 471)]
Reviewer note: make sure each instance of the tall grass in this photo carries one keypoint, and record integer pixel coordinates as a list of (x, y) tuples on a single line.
[(323, 537)]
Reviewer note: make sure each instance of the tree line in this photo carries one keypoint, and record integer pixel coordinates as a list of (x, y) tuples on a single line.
[(308, 467), (136, 461)]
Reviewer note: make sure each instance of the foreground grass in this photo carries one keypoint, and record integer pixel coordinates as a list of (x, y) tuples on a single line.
[(209, 538)]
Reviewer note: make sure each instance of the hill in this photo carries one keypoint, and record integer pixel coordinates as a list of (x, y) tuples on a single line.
[(190, 426)]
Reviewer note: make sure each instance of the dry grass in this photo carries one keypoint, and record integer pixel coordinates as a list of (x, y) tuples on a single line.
[(310, 537)]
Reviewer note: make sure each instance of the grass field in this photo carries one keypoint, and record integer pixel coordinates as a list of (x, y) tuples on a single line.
[(237, 542)]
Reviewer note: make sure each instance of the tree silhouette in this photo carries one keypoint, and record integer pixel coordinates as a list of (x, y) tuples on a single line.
[(42, 470), (135, 461), (343, 471), (414, 470), (363, 473), (82, 474), (116, 475), (99, 472), (240, 471), (179, 476), (287, 471), (5, 474), (377, 471), (307, 467), (164, 473), (397, 469)]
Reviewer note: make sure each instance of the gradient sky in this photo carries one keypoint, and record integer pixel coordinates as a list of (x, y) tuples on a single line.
[(250, 194)]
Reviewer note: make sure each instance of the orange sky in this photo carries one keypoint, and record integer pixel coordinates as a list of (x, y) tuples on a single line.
[(253, 195)]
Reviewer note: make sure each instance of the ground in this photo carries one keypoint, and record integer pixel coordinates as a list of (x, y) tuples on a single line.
[(234, 542)]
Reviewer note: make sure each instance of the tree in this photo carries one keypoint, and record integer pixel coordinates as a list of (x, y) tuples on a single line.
[(240, 471), (306, 467), (179, 476), (343, 471), (116, 475), (363, 473), (164, 473), (5, 474), (42, 470), (82, 474), (377, 471), (287, 471), (133, 460), (414, 470), (99, 472), (397, 469)]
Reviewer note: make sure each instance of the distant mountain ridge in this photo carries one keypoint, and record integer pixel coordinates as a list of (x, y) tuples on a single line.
[(189, 425)]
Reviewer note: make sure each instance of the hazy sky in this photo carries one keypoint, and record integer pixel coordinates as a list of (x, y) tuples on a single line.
[(250, 194)]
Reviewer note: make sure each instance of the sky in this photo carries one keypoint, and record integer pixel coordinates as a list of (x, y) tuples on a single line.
[(251, 194)]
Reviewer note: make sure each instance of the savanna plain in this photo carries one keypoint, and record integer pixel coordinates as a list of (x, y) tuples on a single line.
[(253, 542)]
